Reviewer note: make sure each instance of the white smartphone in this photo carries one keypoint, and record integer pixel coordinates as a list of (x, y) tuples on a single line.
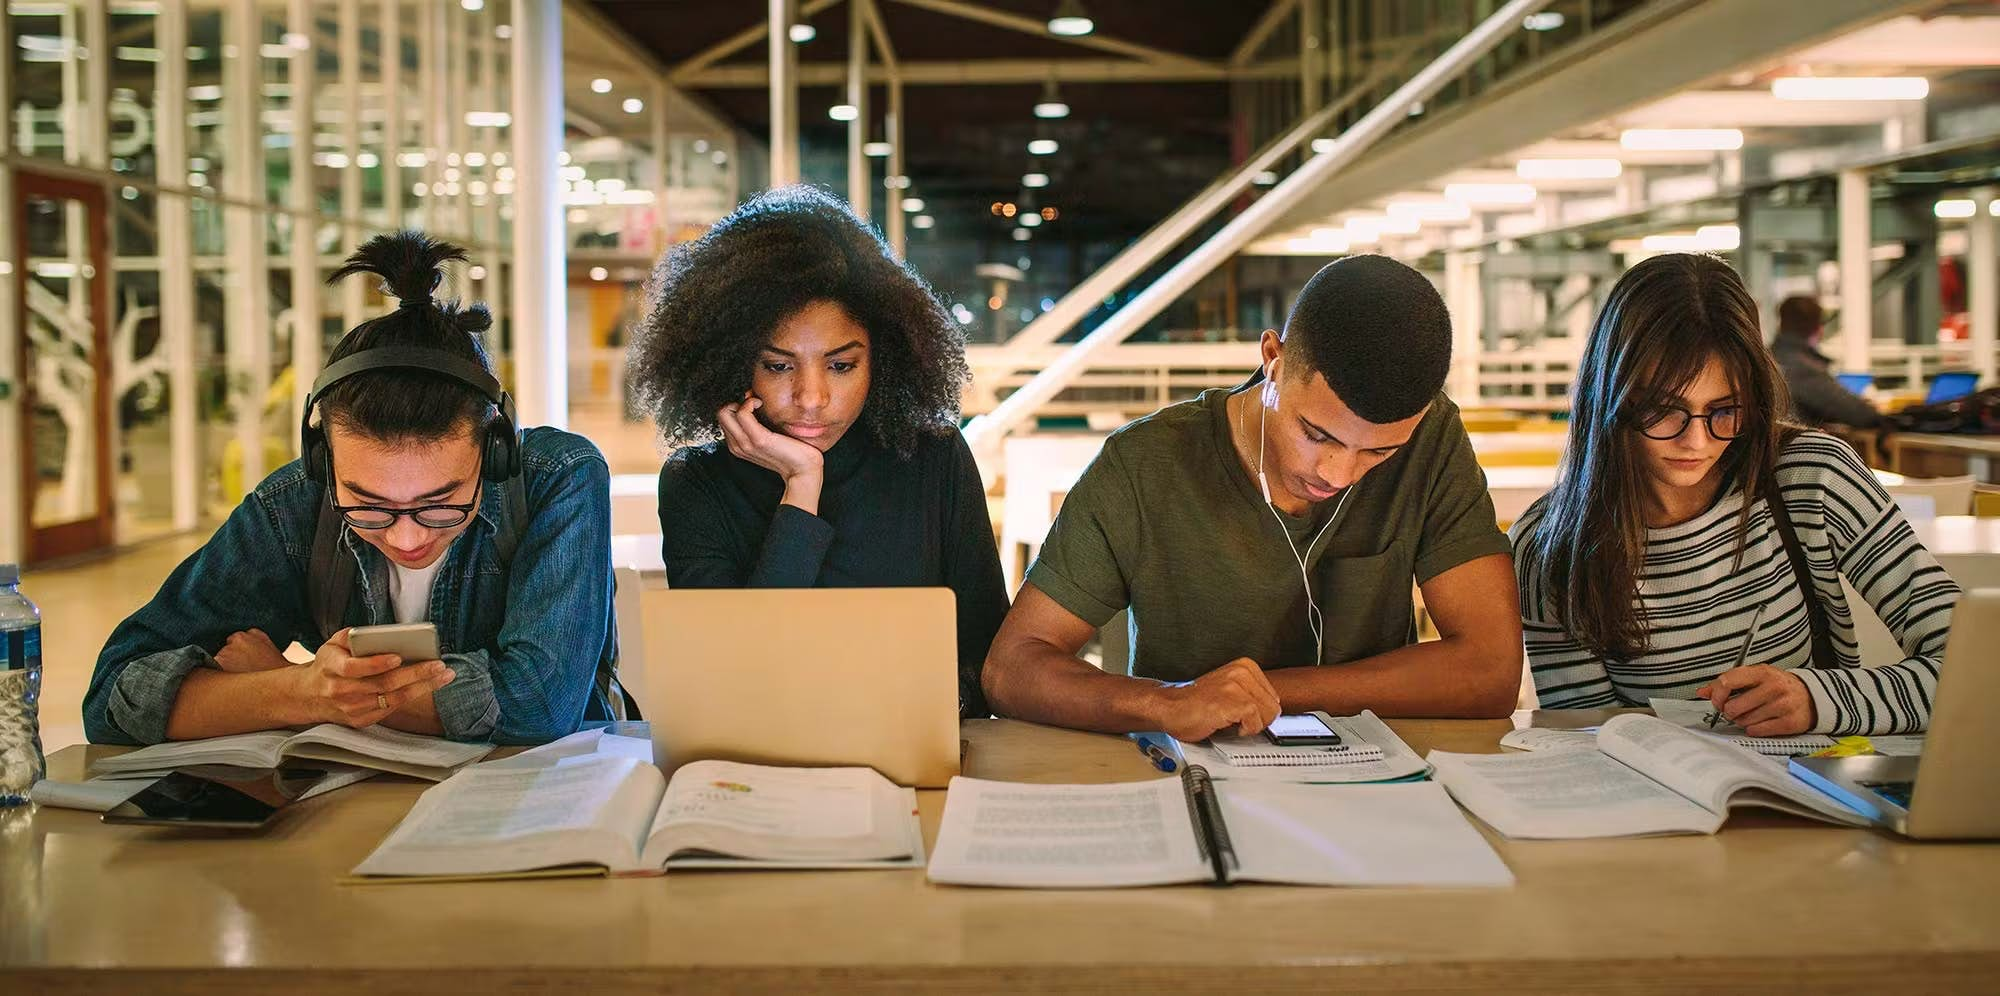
[(413, 642)]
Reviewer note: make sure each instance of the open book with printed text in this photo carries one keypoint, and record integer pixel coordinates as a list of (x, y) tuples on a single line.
[(614, 812), (378, 747), (1647, 776)]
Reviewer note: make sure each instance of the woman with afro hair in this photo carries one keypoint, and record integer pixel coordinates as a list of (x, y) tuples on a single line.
[(811, 381)]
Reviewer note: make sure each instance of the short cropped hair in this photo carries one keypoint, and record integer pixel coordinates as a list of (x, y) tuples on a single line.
[(1377, 331)]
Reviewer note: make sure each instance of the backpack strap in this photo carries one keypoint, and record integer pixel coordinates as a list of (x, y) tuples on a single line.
[(1822, 640), (329, 574)]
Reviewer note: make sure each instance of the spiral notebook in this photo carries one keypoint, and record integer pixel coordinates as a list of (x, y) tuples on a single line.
[(1248, 752), (1692, 714)]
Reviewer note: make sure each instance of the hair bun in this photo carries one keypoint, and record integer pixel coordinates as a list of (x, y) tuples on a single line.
[(410, 263)]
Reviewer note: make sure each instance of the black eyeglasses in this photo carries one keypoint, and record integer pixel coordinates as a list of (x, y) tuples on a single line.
[(428, 516), (1669, 421)]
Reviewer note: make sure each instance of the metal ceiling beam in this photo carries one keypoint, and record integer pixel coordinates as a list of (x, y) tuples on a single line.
[(1658, 48), (1259, 33), (736, 43), (1040, 29), (985, 432), (996, 72)]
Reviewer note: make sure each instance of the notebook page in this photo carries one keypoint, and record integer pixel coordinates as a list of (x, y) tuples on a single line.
[(1066, 836), (587, 810), (244, 750), (409, 753), (1408, 834), (1566, 795)]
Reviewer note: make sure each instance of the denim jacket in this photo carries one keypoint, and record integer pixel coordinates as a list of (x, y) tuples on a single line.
[(530, 643)]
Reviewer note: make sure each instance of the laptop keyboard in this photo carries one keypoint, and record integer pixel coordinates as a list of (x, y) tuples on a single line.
[(1896, 792)]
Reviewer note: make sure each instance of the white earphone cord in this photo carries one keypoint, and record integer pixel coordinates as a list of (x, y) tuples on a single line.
[(1314, 618)]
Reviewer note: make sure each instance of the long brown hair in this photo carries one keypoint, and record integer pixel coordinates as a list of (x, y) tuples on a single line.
[(1664, 320)]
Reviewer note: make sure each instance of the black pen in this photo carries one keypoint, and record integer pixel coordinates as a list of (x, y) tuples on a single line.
[(1742, 654)]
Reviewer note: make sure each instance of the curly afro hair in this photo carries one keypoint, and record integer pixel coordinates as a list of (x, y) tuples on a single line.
[(713, 303)]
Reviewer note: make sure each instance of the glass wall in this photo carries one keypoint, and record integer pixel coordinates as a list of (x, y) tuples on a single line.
[(244, 147)]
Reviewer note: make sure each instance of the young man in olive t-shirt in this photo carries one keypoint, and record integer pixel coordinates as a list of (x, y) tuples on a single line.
[(1255, 532)]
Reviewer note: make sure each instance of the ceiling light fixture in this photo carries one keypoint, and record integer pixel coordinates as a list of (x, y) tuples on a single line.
[(1070, 20)]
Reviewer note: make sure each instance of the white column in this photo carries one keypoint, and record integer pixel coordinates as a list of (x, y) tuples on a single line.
[(96, 110), (1982, 282), (1857, 299), (658, 176), (176, 245), (1312, 55), (248, 271), (857, 95), (353, 293), (892, 125), (305, 209), (541, 390), (1462, 297), (394, 114), (12, 518), (784, 93)]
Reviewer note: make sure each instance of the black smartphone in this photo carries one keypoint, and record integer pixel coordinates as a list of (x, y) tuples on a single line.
[(217, 796), (1301, 730)]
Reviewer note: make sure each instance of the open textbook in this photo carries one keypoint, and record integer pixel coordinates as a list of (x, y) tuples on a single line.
[(611, 810), (1647, 776), (1189, 829), (1382, 756), (377, 747)]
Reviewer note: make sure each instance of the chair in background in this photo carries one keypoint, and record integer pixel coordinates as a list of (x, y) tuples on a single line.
[(1986, 500)]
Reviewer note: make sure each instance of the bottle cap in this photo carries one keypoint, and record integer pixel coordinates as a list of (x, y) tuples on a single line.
[(10, 573)]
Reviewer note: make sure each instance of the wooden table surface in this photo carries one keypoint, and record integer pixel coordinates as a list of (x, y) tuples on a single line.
[(1771, 901)]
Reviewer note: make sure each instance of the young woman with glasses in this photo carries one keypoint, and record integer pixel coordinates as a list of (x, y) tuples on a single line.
[(439, 510), (1689, 518)]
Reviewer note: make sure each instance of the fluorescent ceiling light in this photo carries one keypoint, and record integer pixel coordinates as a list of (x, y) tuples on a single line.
[(1957, 207), (877, 150), (1266, 178), (1043, 147), (923, 221), (1030, 220), (634, 105), (1850, 88), (1681, 139), (843, 112), (1568, 169), (600, 85), (1707, 238), (1321, 146), (1035, 180), (1421, 210), (1489, 194), (803, 32), (1547, 20), (913, 204), (1377, 225)]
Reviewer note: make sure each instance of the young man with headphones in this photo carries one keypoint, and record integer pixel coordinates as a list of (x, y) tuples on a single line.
[(416, 499), (1265, 540)]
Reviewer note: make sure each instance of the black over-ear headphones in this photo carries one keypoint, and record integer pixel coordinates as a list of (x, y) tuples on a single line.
[(500, 450)]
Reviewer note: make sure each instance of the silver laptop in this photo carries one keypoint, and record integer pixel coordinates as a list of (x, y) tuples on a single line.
[(805, 677), (1948, 792)]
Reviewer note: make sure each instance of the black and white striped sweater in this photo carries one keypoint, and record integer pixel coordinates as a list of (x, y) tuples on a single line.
[(1697, 602)]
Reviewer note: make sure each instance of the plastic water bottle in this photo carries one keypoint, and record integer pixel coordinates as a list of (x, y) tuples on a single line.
[(21, 761)]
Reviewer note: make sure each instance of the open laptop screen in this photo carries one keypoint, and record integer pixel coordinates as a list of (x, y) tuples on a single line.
[(1951, 387)]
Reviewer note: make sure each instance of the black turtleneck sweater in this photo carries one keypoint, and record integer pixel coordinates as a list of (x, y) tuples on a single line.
[(883, 522)]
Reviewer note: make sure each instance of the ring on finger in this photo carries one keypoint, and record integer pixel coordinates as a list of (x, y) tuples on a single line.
[(381, 701)]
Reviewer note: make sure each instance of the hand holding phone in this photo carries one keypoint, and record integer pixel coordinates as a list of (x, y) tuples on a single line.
[(415, 643)]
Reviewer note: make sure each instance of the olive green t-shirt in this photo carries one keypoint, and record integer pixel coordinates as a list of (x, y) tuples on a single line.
[(1167, 522)]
